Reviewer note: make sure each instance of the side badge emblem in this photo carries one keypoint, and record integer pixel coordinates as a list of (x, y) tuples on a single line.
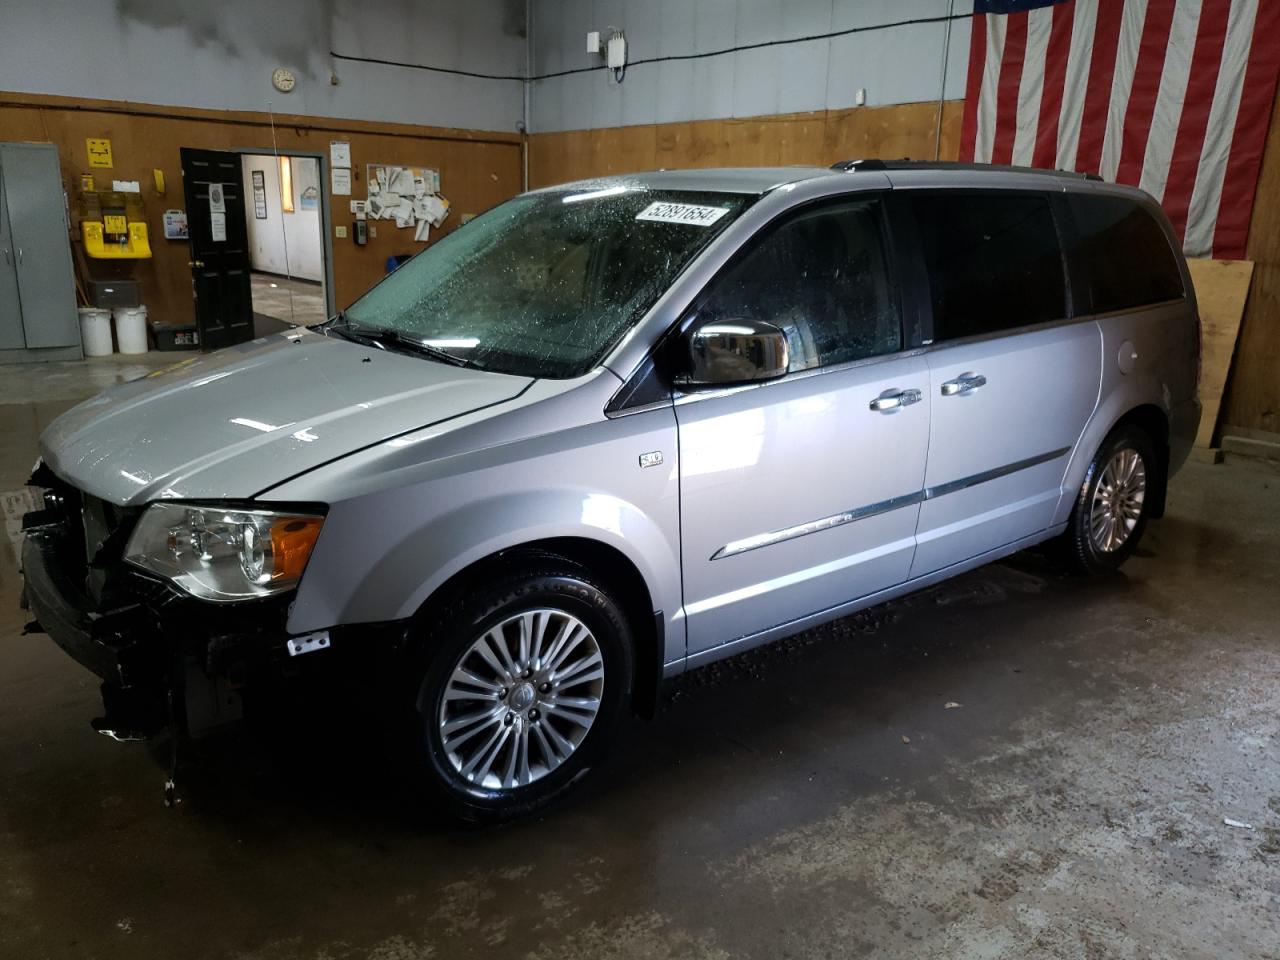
[(651, 459)]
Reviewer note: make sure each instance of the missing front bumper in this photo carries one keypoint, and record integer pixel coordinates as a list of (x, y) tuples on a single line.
[(121, 647)]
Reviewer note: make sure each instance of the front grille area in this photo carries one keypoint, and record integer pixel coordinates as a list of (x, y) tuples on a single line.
[(87, 534)]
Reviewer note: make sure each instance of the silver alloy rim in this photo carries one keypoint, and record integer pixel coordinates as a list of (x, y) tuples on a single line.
[(1117, 500), (521, 699)]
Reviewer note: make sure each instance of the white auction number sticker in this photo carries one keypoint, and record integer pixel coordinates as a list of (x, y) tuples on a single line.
[(689, 213)]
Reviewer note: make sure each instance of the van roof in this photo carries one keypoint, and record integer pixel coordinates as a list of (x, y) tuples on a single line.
[(760, 180)]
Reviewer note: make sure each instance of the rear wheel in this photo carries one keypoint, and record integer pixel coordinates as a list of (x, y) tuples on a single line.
[(526, 681), (1111, 511)]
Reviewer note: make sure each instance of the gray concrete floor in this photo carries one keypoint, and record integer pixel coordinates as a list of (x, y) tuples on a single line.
[(814, 799), (294, 302)]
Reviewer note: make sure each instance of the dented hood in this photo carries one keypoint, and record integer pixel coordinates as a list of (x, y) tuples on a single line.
[(237, 422)]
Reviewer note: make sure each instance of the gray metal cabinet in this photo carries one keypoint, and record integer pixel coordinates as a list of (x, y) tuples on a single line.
[(38, 319)]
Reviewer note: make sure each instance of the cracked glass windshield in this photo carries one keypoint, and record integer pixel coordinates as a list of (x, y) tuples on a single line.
[(544, 284)]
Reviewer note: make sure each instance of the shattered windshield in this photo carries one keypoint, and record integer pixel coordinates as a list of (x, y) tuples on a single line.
[(544, 284)]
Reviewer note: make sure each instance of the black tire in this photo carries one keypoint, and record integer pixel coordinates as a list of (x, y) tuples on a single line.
[(1085, 550), (544, 583)]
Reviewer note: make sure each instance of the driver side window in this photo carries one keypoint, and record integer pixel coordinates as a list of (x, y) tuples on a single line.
[(821, 276)]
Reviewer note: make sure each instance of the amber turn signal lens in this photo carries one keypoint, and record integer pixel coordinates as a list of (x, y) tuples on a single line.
[(291, 542)]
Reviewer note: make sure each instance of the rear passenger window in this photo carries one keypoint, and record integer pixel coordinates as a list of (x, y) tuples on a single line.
[(1122, 254), (822, 277), (993, 259)]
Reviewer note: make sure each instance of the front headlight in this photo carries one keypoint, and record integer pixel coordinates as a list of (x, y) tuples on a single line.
[(224, 554)]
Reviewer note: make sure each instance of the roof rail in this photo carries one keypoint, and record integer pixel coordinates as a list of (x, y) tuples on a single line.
[(852, 166)]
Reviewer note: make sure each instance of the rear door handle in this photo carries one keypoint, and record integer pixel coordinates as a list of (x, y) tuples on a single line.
[(963, 384), (892, 400)]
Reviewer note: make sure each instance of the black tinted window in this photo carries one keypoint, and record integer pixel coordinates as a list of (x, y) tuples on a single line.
[(822, 277), (994, 261), (1122, 254)]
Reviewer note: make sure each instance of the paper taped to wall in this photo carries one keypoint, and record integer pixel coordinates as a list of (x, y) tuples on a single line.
[(407, 195)]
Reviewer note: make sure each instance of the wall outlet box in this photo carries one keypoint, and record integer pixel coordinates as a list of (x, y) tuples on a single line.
[(373, 231), (340, 232), (593, 41), (860, 97), (617, 52)]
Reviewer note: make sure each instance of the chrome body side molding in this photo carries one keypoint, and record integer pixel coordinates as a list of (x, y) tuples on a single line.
[(768, 539), (942, 489)]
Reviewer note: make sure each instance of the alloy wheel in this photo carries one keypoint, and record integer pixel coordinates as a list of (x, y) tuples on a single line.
[(1117, 500), (521, 699)]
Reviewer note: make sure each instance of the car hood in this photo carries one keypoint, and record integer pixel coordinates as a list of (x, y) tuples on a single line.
[(239, 421)]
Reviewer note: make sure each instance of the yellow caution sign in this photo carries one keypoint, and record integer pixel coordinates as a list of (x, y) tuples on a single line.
[(99, 149)]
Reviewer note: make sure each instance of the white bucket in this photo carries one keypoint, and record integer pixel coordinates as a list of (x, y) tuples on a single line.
[(95, 331), (131, 329)]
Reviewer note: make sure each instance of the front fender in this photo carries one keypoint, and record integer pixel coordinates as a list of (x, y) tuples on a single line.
[(395, 588), (382, 554)]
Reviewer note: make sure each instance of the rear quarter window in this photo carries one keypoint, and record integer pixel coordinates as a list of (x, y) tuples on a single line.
[(1121, 254)]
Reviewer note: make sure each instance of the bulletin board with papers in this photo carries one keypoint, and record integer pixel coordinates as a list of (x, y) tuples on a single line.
[(408, 195)]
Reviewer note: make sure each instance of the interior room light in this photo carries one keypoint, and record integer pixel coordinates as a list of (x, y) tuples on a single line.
[(286, 184)]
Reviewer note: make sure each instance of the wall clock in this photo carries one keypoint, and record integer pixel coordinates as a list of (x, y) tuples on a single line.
[(282, 79)]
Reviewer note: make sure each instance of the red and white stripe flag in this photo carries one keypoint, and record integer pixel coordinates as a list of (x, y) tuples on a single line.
[(1173, 96)]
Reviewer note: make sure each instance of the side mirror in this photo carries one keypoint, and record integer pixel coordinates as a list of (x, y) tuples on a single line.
[(723, 352)]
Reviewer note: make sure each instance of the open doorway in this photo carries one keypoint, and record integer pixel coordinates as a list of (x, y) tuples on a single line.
[(285, 236)]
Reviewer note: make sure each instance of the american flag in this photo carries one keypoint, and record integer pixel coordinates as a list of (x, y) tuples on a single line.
[(1173, 96)]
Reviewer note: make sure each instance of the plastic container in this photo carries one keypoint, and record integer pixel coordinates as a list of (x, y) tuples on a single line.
[(113, 293), (176, 338), (95, 331), (131, 329)]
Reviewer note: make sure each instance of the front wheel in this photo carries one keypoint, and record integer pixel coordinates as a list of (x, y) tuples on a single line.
[(1110, 513), (526, 681)]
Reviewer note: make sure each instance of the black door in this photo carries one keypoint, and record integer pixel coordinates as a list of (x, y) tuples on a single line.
[(211, 180)]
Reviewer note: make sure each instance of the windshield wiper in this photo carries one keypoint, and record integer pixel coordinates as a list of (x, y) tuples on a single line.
[(389, 338), (344, 328)]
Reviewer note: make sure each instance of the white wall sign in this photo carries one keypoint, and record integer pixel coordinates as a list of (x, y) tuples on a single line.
[(340, 181), (175, 225), (217, 199), (218, 227), (339, 153)]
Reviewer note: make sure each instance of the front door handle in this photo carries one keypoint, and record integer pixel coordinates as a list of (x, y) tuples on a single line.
[(964, 384), (892, 400)]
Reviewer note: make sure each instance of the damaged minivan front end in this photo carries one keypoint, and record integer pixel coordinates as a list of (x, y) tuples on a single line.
[(177, 607), (159, 560)]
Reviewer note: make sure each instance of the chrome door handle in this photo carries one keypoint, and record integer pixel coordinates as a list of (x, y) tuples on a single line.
[(892, 400), (965, 383)]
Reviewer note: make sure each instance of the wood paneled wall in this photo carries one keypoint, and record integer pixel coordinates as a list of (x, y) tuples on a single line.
[(1253, 391), (907, 130), (480, 169), (477, 170)]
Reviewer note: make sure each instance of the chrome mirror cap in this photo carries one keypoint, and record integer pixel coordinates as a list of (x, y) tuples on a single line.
[(735, 351)]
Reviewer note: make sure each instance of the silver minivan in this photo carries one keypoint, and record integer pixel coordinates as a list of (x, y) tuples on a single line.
[(613, 430)]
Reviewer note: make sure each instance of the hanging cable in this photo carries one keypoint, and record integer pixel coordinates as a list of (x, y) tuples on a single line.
[(942, 84), (920, 21), (284, 234)]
